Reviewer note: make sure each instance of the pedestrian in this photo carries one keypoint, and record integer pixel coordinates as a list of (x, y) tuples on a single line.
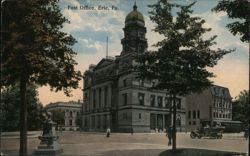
[(169, 135), (132, 131), (108, 132), (246, 133)]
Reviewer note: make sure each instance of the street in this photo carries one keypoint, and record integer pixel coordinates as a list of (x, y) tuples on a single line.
[(82, 143)]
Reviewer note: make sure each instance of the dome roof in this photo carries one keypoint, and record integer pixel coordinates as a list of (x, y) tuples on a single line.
[(135, 17)]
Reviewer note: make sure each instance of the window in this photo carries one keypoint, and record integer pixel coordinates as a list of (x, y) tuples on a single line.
[(124, 82), (85, 122), (159, 99), (198, 114), (168, 102), (124, 116), (94, 99), (141, 98), (85, 96), (189, 122), (152, 100), (70, 114), (189, 114), (141, 83), (105, 96), (105, 122), (178, 103), (124, 99), (139, 115), (70, 122), (93, 121), (214, 114), (194, 114), (98, 121), (100, 97), (194, 122)]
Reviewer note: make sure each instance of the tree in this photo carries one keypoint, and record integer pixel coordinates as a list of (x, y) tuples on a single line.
[(35, 50), (240, 107), (237, 9), (58, 117), (79, 120), (180, 64), (10, 108)]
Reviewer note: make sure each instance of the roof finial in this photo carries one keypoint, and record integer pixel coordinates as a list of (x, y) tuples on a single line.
[(135, 7)]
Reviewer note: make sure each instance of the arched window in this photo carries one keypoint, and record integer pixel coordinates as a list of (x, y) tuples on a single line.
[(194, 114)]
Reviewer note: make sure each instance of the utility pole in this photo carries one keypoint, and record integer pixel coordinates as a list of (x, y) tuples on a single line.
[(107, 47)]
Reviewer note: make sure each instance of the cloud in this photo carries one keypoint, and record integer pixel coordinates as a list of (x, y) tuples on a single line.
[(90, 28), (233, 75)]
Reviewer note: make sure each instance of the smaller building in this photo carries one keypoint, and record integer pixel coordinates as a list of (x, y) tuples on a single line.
[(212, 107), (71, 111)]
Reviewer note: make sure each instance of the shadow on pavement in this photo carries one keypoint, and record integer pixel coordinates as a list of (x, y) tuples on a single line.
[(178, 152), (199, 152)]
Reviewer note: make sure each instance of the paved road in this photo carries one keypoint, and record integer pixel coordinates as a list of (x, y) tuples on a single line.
[(76, 143)]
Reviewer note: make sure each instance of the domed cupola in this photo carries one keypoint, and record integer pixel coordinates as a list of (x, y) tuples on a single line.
[(134, 17), (134, 40)]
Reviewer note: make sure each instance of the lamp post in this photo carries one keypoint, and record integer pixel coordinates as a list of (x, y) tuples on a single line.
[(179, 121)]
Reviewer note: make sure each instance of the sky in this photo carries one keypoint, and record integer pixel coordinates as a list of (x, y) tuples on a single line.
[(91, 27)]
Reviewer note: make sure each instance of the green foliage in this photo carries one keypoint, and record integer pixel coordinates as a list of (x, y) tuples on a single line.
[(35, 50), (34, 46), (58, 117), (240, 108), (180, 65), (10, 108), (79, 120), (183, 56), (240, 10)]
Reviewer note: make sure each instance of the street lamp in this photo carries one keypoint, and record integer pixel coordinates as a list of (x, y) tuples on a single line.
[(179, 121)]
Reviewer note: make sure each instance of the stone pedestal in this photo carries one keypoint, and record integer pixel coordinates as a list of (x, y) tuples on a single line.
[(48, 145)]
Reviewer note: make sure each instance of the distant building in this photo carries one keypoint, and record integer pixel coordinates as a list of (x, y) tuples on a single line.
[(211, 107), (71, 111), (115, 98)]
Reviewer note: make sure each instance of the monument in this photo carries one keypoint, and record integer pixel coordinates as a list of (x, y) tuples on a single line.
[(48, 145)]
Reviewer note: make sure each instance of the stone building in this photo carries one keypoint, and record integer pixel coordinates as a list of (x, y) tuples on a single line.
[(210, 107), (71, 111), (115, 98)]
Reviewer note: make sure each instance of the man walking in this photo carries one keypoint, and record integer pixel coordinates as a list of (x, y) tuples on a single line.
[(169, 135), (108, 132)]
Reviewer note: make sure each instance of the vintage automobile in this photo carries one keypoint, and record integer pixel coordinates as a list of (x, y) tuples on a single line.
[(215, 132)]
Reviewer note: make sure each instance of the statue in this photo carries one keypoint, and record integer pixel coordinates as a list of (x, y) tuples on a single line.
[(48, 144)]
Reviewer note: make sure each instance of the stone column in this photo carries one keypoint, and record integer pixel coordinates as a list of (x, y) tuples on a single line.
[(96, 121), (97, 97), (109, 96), (91, 100), (108, 120), (156, 123), (163, 120), (103, 94)]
